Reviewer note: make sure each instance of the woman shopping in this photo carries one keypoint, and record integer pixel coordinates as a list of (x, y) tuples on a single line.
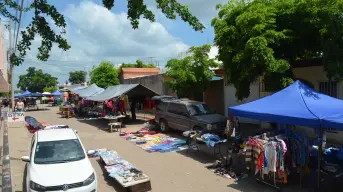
[(20, 106)]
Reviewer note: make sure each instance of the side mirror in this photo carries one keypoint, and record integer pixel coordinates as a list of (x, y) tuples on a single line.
[(90, 152), (25, 158)]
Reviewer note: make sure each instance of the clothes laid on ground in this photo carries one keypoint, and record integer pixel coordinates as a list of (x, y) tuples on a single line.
[(120, 168), (150, 141)]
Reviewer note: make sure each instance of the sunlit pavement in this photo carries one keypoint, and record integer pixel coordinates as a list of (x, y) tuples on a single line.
[(169, 172)]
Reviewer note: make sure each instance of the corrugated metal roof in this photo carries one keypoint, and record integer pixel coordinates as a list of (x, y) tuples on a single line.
[(89, 91)]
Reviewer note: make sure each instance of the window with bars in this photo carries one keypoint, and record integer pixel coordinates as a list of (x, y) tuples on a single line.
[(328, 88)]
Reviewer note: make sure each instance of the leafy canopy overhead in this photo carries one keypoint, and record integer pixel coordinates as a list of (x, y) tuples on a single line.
[(77, 77), (193, 70), (50, 89), (43, 9), (36, 80), (104, 75), (138, 64), (259, 37)]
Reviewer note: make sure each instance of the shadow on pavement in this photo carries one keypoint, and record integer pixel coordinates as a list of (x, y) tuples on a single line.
[(111, 181)]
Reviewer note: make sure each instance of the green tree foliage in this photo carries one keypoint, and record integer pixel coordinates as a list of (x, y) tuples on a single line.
[(50, 89), (104, 75), (193, 70), (260, 37), (43, 9), (36, 80), (138, 64), (77, 77)]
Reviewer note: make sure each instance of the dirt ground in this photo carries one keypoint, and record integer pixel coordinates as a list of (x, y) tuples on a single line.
[(169, 172)]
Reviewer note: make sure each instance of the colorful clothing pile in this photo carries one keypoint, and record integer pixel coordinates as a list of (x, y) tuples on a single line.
[(152, 142)]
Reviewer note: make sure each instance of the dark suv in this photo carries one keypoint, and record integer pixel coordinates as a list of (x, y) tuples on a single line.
[(184, 115)]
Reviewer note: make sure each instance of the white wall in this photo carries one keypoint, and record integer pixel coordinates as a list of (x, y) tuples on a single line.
[(230, 99)]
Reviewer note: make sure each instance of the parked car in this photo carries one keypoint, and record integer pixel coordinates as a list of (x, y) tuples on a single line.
[(185, 114), (58, 162)]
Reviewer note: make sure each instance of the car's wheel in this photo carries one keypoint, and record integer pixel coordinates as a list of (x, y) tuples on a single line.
[(164, 126)]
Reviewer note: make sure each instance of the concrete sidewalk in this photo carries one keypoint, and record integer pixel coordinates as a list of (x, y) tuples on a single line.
[(19, 145)]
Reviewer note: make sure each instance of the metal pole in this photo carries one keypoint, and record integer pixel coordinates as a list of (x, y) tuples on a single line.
[(11, 65)]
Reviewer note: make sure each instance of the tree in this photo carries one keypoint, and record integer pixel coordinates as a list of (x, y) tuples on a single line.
[(42, 9), (77, 77), (138, 64), (36, 80), (50, 89), (104, 75), (263, 37), (193, 70)]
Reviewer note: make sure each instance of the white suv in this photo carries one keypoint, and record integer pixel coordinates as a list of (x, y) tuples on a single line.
[(58, 162)]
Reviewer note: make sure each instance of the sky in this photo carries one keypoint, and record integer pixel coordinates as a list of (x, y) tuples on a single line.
[(97, 34)]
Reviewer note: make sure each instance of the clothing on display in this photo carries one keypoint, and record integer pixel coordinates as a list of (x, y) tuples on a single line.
[(277, 155), (119, 168)]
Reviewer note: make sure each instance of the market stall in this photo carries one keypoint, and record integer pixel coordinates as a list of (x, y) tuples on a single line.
[(297, 104), (126, 174), (117, 100)]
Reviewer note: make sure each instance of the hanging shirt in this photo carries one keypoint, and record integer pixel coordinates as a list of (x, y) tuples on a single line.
[(271, 155)]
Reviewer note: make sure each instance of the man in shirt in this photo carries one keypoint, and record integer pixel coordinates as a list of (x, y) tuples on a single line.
[(20, 106)]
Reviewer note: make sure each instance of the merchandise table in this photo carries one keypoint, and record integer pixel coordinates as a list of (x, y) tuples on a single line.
[(124, 172), (113, 119)]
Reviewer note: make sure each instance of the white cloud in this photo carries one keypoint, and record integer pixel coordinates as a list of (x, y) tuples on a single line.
[(213, 52), (96, 34)]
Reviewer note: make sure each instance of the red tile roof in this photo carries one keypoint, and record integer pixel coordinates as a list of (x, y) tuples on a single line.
[(136, 72)]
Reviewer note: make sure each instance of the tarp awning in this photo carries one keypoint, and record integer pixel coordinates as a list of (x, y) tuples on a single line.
[(297, 104), (89, 91), (77, 88), (56, 93), (132, 90)]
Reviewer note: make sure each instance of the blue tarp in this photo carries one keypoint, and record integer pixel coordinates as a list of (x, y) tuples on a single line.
[(25, 93), (89, 91), (297, 104)]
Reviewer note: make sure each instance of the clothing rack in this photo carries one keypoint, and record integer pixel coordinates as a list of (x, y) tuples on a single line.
[(262, 141)]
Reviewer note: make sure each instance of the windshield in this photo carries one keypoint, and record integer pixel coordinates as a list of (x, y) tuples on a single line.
[(199, 109), (63, 151)]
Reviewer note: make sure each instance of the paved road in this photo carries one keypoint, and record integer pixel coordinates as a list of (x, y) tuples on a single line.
[(169, 172)]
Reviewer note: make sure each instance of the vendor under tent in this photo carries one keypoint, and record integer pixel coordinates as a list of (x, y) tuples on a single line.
[(297, 104), (89, 91), (134, 93)]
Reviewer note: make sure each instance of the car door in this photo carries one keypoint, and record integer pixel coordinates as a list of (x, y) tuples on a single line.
[(28, 165), (178, 116)]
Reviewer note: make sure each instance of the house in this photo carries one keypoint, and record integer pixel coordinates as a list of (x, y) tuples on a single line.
[(137, 72), (4, 83), (155, 82)]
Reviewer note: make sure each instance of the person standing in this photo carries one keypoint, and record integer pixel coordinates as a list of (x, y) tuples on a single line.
[(20, 106), (133, 110)]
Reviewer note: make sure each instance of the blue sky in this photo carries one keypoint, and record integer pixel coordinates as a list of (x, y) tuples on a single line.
[(96, 34)]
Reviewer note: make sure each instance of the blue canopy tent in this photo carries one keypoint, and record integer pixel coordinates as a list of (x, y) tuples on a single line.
[(56, 93), (25, 93), (297, 104)]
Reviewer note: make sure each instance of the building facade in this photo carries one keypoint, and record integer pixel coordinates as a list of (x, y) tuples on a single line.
[(4, 81)]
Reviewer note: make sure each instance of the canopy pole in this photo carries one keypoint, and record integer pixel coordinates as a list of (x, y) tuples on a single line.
[(320, 147)]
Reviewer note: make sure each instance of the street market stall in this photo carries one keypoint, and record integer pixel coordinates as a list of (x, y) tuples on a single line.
[(126, 174), (118, 99), (297, 104)]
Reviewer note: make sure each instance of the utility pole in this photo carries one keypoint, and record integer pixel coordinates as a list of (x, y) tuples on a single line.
[(151, 60), (85, 77), (8, 26)]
